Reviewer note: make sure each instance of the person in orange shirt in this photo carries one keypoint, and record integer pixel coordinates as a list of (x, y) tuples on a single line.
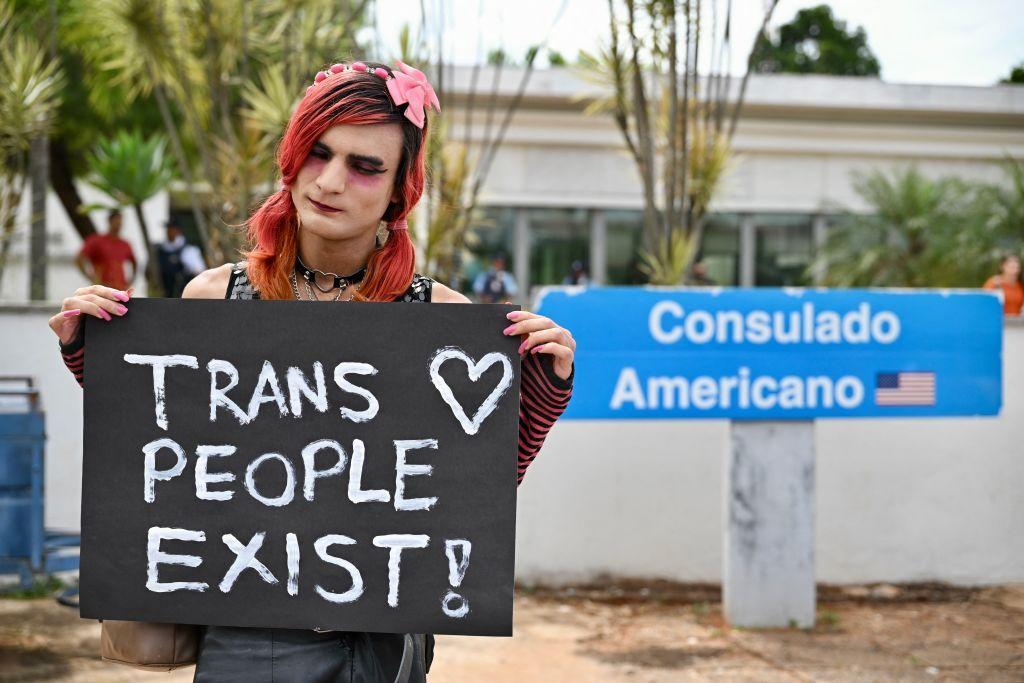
[(1009, 281), (103, 257)]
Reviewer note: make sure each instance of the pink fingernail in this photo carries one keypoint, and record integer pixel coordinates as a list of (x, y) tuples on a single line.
[(121, 310), (104, 315), (508, 329), (73, 312), (537, 348), (521, 347), (121, 296), (513, 315)]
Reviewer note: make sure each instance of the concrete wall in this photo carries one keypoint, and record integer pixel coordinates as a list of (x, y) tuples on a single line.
[(897, 500), (29, 347), (559, 158), (799, 142)]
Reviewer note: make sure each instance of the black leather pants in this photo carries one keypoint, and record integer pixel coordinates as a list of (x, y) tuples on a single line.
[(261, 655)]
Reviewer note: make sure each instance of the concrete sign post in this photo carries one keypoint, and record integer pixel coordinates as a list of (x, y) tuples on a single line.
[(772, 361), (768, 559)]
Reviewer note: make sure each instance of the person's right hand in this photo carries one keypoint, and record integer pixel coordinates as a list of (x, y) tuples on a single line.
[(102, 302)]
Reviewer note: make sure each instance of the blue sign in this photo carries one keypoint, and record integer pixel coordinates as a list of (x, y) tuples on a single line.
[(650, 353)]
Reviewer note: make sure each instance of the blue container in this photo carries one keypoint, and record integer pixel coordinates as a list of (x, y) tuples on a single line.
[(25, 545), (21, 487)]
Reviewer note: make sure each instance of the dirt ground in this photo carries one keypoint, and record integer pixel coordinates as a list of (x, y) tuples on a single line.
[(644, 633)]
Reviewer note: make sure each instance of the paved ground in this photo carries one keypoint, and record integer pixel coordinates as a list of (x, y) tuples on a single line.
[(643, 634)]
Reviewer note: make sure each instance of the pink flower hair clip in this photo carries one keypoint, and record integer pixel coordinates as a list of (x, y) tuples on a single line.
[(406, 86)]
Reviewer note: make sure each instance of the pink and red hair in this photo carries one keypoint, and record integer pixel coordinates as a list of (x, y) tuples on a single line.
[(349, 97)]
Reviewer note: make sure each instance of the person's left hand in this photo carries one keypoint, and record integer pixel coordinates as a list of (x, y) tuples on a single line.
[(543, 335)]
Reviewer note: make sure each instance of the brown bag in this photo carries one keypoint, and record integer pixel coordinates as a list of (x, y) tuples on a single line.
[(149, 646)]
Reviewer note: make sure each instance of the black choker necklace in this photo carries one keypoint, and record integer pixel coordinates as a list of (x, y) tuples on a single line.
[(339, 281)]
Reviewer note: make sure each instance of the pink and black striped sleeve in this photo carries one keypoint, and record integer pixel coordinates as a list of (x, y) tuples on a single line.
[(543, 397), (73, 355)]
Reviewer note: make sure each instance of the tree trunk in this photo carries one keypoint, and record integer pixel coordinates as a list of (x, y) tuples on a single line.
[(644, 136), (672, 164), (746, 76), (183, 167), (688, 61), (39, 172), (11, 188), (152, 286), (62, 181)]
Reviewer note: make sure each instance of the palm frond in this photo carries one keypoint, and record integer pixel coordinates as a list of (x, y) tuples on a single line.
[(31, 90), (129, 167), (668, 263)]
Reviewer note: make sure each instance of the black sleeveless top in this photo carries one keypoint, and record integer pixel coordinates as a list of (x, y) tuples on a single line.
[(249, 654), (239, 287)]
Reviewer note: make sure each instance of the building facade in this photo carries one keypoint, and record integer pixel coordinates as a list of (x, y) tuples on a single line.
[(563, 187)]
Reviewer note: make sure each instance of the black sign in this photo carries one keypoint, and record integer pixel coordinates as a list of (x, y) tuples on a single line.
[(284, 464)]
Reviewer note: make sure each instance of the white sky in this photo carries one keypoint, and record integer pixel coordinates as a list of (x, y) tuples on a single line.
[(974, 42)]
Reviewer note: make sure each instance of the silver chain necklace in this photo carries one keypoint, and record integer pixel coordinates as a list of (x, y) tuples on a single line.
[(309, 290)]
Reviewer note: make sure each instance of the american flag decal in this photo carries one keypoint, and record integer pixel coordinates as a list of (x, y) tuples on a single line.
[(905, 389)]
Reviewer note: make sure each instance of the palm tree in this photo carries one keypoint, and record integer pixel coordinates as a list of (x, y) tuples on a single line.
[(29, 99), (912, 236), (202, 61), (1006, 206), (996, 225), (668, 92), (130, 169)]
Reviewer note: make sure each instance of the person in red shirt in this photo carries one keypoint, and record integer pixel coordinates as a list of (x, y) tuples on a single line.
[(1009, 281), (103, 257)]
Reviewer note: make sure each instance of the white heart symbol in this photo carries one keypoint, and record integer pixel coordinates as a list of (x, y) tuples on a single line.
[(476, 369)]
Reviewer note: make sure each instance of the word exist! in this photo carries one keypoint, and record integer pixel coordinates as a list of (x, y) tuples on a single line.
[(245, 558)]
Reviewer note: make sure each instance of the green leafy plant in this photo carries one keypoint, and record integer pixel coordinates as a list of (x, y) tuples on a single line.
[(224, 77), (669, 93), (668, 262), (924, 232), (29, 97), (815, 41), (829, 618), (40, 588), (131, 168)]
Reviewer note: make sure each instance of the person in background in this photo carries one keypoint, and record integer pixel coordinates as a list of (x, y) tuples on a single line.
[(495, 285), (178, 261), (103, 257), (577, 274), (699, 275), (1009, 282)]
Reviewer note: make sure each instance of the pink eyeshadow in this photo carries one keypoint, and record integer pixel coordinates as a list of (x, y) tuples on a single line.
[(314, 163), (364, 180)]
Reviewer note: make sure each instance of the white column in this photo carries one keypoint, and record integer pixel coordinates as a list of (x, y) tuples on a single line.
[(748, 251), (818, 237), (521, 242), (598, 247), (768, 559)]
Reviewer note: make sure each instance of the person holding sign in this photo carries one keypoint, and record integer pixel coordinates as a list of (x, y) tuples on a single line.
[(352, 158)]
